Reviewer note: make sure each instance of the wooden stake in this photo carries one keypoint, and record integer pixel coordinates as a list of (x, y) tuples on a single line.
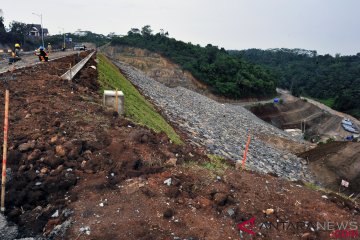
[(116, 101), (70, 72), (6, 124)]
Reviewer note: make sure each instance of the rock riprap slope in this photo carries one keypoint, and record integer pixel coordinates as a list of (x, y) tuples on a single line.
[(222, 128)]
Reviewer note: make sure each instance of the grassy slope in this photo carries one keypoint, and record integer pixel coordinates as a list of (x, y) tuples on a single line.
[(136, 106)]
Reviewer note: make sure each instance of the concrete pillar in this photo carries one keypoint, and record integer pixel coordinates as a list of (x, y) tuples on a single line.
[(110, 99)]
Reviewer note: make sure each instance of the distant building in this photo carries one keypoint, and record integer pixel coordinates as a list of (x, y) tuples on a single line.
[(35, 30), (80, 33)]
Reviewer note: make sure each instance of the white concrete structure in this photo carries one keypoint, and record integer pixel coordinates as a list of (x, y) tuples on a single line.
[(110, 99)]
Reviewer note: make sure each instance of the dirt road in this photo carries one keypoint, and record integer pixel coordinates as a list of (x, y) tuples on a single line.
[(332, 111), (288, 97), (28, 59)]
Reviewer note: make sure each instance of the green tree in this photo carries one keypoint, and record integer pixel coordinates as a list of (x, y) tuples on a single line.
[(19, 30), (324, 77), (2, 25), (134, 31), (224, 74), (146, 30)]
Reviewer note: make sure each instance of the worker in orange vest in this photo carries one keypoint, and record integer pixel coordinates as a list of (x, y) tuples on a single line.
[(43, 56)]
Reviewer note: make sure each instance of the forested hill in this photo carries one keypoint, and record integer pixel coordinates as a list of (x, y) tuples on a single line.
[(334, 80), (226, 75)]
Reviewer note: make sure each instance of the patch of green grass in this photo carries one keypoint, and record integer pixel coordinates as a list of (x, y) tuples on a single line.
[(312, 186), (136, 106), (217, 164), (328, 102), (215, 167)]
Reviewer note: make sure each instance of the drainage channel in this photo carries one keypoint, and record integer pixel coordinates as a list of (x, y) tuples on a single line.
[(70, 74)]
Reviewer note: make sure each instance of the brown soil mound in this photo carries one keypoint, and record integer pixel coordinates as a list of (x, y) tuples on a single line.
[(59, 131), (199, 205), (292, 113), (335, 161)]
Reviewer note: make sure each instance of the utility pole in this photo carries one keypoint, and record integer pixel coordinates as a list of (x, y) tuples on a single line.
[(42, 29), (64, 44)]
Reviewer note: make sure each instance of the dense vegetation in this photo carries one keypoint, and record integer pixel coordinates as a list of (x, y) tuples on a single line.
[(16, 33), (136, 106), (226, 75), (333, 80)]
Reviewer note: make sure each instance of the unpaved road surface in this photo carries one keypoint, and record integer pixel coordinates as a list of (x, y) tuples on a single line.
[(288, 97), (320, 120), (332, 111), (29, 59)]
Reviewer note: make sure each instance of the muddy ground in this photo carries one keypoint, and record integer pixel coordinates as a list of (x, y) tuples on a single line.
[(74, 161)]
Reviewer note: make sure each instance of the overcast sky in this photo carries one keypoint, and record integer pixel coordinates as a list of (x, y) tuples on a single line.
[(328, 26)]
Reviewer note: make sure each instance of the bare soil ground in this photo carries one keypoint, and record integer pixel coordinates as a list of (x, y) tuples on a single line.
[(330, 163), (197, 206), (291, 114), (334, 162), (66, 151)]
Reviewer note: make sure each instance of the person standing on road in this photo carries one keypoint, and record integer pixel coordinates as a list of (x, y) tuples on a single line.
[(49, 48)]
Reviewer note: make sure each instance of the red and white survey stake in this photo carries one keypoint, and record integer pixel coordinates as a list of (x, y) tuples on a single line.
[(6, 125), (245, 152)]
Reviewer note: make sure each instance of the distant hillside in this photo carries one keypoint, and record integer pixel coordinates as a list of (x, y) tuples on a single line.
[(225, 75), (333, 80)]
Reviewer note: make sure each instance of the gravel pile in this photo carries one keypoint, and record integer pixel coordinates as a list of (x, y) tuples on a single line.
[(222, 128)]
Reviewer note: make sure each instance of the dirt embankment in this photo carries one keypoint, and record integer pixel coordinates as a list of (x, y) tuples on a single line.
[(330, 163), (291, 114), (60, 134), (72, 159), (155, 66), (45, 146), (334, 162)]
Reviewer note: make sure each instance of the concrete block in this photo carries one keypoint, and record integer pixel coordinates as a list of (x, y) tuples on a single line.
[(110, 99)]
